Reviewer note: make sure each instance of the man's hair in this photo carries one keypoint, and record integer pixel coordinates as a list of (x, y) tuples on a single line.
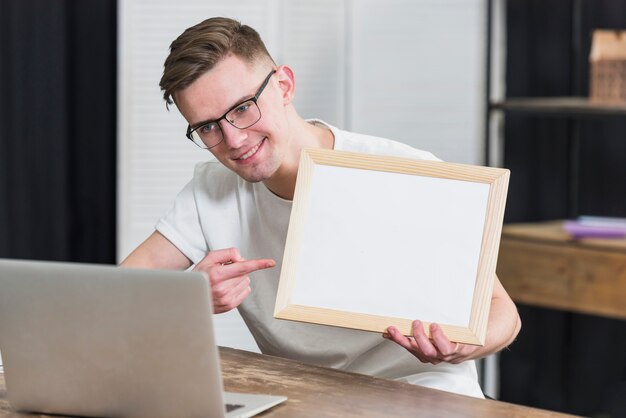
[(199, 48)]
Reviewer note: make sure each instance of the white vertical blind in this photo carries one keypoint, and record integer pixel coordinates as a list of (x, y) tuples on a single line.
[(313, 45), (155, 159), (410, 70)]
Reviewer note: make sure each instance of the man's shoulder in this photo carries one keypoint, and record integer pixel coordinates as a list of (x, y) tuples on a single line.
[(351, 141), (369, 144)]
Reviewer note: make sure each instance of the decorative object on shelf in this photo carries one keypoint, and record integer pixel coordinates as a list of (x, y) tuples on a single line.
[(608, 66)]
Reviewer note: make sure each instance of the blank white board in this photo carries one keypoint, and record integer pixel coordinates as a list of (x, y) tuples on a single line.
[(378, 241)]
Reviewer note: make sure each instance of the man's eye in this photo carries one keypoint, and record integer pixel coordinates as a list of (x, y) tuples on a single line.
[(207, 129), (242, 108)]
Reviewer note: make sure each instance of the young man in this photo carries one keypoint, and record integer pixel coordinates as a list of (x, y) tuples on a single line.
[(231, 219)]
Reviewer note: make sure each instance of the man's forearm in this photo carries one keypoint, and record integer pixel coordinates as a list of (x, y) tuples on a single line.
[(504, 323)]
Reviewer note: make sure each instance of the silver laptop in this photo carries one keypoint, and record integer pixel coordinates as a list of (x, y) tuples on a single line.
[(79, 339)]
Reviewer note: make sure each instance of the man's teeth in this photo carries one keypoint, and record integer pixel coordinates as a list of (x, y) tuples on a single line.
[(250, 153)]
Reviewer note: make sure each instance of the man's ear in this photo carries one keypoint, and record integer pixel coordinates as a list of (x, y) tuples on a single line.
[(287, 83)]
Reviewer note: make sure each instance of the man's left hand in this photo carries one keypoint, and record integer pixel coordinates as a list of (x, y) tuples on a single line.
[(434, 350)]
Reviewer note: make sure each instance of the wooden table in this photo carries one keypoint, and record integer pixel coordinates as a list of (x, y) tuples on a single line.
[(321, 392), (540, 264)]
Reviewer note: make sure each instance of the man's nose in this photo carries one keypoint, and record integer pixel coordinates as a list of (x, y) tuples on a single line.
[(233, 136)]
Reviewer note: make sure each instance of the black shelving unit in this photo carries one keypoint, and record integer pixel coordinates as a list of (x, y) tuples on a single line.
[(568, 158), (575, 108), (559, 106)]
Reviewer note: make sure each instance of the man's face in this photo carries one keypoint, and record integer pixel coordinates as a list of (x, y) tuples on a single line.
[(254, 153)]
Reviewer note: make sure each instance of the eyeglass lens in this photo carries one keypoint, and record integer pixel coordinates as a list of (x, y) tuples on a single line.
[(243, 116)]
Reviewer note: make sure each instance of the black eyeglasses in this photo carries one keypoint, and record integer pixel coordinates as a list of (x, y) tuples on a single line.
[(243, 115)]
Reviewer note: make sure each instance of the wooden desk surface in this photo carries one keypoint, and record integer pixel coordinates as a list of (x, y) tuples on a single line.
[(540, 264), (321, 392)]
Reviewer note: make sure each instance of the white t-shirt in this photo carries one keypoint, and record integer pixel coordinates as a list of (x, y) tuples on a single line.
[(218, 209)]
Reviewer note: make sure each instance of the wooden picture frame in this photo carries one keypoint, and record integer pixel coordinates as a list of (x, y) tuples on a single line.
[(375, 241)]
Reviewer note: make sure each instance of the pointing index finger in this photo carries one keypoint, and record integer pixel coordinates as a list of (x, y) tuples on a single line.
[(241, 268)]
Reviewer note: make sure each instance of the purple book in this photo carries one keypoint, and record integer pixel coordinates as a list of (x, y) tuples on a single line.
[(578, 230)]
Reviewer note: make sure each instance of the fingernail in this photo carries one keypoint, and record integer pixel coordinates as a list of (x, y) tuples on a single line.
[(386, 335)]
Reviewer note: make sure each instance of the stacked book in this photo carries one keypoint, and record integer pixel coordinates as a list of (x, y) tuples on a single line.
[(596, 227)]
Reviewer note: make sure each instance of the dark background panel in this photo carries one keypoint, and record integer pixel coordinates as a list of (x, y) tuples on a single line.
[(602, 180), (58, 129), (534, 151)]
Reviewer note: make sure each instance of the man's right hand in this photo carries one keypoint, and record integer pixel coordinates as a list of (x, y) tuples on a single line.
[(228, 274)]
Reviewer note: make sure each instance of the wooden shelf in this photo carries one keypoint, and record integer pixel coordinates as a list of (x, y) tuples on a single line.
[(540, 264), (560, 106)]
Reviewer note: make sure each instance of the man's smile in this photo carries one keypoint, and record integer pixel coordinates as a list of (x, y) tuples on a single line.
[(250, 153)]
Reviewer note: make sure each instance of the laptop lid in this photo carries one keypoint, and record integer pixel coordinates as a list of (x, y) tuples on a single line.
[(100, 340)]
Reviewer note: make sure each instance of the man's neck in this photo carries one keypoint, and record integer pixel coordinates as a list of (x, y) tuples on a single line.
[(305, 135)]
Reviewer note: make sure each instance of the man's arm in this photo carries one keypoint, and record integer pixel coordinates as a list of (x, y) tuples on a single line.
[(157, 252), (503, 326), (227, 271), (504, 322)]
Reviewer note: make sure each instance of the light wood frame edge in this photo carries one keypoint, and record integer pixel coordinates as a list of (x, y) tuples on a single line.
[(368, 322), (475, 333)]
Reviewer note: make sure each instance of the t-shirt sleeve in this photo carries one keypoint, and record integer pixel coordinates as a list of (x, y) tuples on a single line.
[(181, 225)]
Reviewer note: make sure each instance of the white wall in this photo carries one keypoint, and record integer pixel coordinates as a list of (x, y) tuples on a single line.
[(410, 70), (418, 74)]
